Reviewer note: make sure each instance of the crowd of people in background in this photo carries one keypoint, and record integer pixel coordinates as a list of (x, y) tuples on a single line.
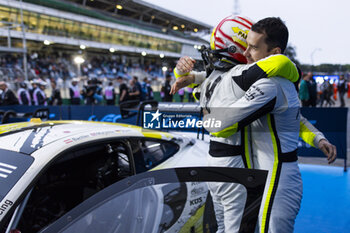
[(92, 91), (51, 77), (323, 94), (110, 81), (61, 67), (35, 95), (95, 91)]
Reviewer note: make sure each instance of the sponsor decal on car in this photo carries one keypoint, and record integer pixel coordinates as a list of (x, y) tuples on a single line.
[(6, 169), (196, 201), (197, 191), (102, 133), (4, 206), (67, 141)]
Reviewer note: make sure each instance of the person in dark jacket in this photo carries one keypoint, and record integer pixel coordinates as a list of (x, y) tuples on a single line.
[(34, 85), (135, 89), (23, 94), (7, 95), (92, 92), (55, 98), (312, 88), (123, 90), (342, 89), (147, 89), (166, 89)]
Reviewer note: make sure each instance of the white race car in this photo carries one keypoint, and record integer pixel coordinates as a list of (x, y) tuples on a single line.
[(49, 170)]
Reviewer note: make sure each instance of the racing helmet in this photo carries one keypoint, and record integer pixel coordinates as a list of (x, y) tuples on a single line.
[(229, 37)]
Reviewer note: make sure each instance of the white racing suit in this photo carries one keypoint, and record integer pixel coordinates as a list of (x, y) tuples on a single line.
[(223, 89), (271, 107)]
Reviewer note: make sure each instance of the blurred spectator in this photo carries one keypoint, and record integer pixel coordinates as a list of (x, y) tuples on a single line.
[(323, 91), (123, 90), (328, 93), (23, 94), (342, 89), (162, 93), (135, 89), (143, 88), (166, 89), (34, 84), (147, 89), (110, 94), (304, 95), (74, 92), (181, 93), (55, 98), (312, 89), (92, 92), (7, 95), (123, 96), (39, 95), (189, 91)]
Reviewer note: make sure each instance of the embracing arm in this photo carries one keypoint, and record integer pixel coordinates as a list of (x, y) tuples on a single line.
[(312, 136), (273, 66), (185, 76), (259, 100)]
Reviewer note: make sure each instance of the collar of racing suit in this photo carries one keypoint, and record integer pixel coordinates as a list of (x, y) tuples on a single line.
[(222, 65)]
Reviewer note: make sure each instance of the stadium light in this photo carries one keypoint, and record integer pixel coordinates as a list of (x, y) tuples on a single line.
[(175, 28), (164, 68), (112, 50), (195, 46), (195, 30), (153, 17), (79, 60), (182, 26), (143, 53), (119, 7), (161, 55), (46, 42), (82, 46)]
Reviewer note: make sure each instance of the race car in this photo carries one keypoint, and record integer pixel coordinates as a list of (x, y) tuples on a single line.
[(48, 169)]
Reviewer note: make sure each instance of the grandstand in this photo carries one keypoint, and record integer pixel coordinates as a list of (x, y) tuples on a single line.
[(130, 33)]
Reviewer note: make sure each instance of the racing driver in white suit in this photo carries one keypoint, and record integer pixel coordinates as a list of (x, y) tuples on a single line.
[(274, 143)]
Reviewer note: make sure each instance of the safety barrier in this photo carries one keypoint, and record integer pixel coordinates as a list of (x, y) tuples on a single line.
[(331, 121)]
